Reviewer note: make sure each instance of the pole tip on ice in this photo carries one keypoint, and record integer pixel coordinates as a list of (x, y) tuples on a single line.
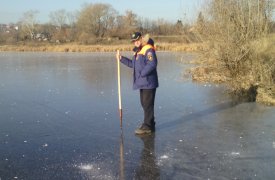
[(120, 115)]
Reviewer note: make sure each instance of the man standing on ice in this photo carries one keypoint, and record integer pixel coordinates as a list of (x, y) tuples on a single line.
[(145, 77)]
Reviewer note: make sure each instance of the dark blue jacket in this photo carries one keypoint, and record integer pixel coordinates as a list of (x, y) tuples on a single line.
[(144, 64)]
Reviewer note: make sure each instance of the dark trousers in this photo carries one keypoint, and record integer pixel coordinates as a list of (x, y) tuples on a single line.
[(147, 100)]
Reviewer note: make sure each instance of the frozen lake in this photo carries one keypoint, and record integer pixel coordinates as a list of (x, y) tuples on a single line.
[(59, 120)]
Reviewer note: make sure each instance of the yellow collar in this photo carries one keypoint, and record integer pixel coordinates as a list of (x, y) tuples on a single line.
[(145, 48)]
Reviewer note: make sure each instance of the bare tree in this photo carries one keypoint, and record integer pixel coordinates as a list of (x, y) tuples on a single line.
[(29, 22), (126, 24), (58, 18), (96, 19), (163, 27), (72, 18), (145, 25), (130, 19)]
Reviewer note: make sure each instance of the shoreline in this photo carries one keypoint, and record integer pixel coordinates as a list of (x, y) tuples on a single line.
[(213, 72), (176, 47)]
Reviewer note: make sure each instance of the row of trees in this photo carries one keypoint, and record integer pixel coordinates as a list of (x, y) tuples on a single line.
[(91, 23)]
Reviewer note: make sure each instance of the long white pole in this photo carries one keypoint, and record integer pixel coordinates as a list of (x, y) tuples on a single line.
[(119, 89)]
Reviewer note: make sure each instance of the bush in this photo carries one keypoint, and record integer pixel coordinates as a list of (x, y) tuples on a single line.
[(237, 32)]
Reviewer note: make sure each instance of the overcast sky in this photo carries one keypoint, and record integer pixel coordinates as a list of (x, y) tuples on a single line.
[(11, 11)]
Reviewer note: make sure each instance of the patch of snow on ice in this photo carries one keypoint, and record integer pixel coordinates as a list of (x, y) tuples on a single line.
[(45, 145), (86, 167), (164, 157), (235, 153)]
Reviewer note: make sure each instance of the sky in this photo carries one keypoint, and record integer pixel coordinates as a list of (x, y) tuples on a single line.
[(11, 11)]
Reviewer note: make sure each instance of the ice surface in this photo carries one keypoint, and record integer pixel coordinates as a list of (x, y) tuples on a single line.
[(59, 120)]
